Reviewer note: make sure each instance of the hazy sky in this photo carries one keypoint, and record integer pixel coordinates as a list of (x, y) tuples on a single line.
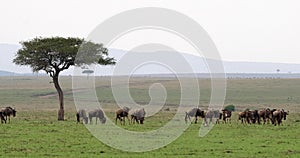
[(243, 30)]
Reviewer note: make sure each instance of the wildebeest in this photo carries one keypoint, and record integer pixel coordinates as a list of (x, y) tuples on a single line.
[(210, 114), (249, 116), (81, 114), (195, 112), (255, 116), (121, 114), (226, 114), (278, 115), (98, 113), (242, 116), (138, 116), (7, 111), (265, 114), (2, 118)]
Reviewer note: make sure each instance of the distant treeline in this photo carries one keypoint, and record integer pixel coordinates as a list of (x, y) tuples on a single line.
[(229, 75)]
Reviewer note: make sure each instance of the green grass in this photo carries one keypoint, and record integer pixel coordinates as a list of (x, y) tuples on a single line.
[(35, 132), (38, 134)]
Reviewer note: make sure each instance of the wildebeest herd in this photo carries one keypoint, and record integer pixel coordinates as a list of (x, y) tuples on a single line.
[(274, 116), (137, 115), (6, 113), (265, 116), (97, 113), (208, 116)]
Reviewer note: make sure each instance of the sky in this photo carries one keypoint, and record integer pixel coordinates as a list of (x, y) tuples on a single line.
[(242, 30)]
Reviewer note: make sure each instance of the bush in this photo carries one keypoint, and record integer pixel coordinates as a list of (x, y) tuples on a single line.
[(230, 107)]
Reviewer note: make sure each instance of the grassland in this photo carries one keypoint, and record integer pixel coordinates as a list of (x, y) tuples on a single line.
[(35, 132)]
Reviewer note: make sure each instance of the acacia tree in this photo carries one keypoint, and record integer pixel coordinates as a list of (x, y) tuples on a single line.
[(55, 54)]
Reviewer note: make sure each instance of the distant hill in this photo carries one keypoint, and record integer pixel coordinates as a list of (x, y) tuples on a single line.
[(197, 63), (6, 73)]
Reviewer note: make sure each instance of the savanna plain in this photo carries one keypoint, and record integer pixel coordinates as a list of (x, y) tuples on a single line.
[(35, 131)]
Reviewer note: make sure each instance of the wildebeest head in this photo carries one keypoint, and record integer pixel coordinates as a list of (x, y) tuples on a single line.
[(14, 112), (142, 120), (103, 120), (284, 113)]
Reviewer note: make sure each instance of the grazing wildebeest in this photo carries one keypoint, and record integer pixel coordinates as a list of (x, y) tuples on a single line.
[(226, 114), (242, 116), (278, 115), (2, 118), (138, 116), (249, 116), (7, 111), (195, 112), (121, 114), (265, 114), (98, 113), (210, 114), (81, 114)]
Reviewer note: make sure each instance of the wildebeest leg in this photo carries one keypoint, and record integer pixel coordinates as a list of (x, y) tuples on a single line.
[(77, 117), (210, 120), (196, 119), (8, 118), (264, 119), (134, 120), (186, 117), (127, 120), (258, 120), (205, 121), (123, 120), (117, 117), (193, 120), (279, 120), (189, 117), (91, 118), (137, 120), (274, 119), (2, 118), (229, 120), (131, 119), (224, 119)]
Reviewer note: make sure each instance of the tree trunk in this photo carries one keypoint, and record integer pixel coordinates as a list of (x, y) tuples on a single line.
[(61, 98)]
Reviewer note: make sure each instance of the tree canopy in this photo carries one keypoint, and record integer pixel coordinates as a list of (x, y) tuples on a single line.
[(56, 54)]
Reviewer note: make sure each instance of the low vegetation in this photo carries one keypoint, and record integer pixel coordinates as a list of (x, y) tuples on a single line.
[(35, 131)]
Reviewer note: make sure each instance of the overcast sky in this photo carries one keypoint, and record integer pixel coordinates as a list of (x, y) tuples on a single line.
[(243, 30)]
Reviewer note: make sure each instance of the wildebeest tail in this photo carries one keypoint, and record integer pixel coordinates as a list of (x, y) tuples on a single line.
[(186, 116)]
